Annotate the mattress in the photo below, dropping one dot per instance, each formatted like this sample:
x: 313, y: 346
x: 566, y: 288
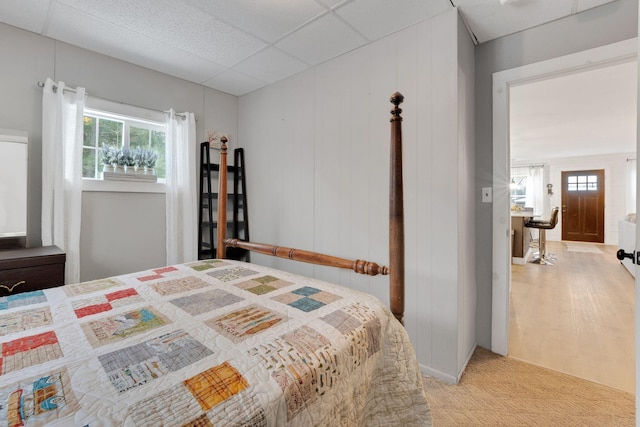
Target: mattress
x: 212, y: 342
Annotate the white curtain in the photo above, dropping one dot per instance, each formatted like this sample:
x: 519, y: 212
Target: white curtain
x: 181, y: 188
x: 630, y: 198
x: 62, y: 133
x: 535, y: 189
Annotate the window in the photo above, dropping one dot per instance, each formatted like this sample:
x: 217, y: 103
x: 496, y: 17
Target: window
x: 582, y: 183
x: 103, y: 128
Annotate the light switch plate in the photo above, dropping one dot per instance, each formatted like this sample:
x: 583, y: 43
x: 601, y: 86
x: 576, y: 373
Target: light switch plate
x: 487, y: 194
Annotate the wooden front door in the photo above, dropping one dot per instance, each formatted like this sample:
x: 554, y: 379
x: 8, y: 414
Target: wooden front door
x: 583, y: 206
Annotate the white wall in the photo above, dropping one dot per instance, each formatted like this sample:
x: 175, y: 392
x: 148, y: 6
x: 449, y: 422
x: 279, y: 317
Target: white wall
x: 317, y: 150
x: 595, y: 27
x: 131, y: 223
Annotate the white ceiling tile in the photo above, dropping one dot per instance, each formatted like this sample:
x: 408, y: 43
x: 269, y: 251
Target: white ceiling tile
x: 176, y: 24
x: 270, y: 65
x: 321, y: 40
x: 488, y: 19
x: 233, y: 82
x: 268, y: 20
x: 86, y: 31
x: 333, y: 3
x: 378, y: 18
x: 28, y: 15
x: 588, y: 4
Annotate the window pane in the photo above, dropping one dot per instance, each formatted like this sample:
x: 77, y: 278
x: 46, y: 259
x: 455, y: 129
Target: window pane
x: 592, y: 186
x: 572, y: 179
x: 582, y: 179
x: 88, y: 163
x: 138, y: 137
x: 572, y: 187
x: 158, y: 145
x: 582, y: 186
x: 110, y: 132
x: 89, y: 138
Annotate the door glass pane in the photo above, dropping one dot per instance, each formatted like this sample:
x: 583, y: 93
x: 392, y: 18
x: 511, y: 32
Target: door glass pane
x: 572, y: 179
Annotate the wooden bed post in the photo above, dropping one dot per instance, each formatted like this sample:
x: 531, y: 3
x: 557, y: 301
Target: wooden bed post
x: 396, y: 213
x: 222, y: 200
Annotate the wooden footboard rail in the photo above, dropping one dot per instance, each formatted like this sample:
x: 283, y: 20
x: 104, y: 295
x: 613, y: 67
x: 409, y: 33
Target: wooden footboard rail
x: 396, y: 225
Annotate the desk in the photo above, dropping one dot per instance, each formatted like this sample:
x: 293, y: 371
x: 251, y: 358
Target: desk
x: 520, y: 250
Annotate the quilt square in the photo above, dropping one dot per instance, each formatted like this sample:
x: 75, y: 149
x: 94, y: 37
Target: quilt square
x: 307, y: 298
x: 263, y: 285
x: 207, y: 264
x: 229, y: 274
x: 116, y: 328
x: 24, y: 320
x: 23, y: 299
x: 90, y: 287
x: 106, y: 302
x: 241, y: 324
x: 206, y: 301
x: 216, y: 385
x: 176, y: 286
x: 29, y: 351
x: 158, y: 273
x: 342, y: 321
x: 171, y: 407
x: 39, y: 400
x: 141, y: 363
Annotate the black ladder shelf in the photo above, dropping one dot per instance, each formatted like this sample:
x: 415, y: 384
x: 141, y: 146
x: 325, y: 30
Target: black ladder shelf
x: 238, y: 226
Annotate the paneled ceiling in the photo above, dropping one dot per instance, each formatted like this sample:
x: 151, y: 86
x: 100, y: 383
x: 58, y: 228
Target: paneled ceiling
x: 238, y: 46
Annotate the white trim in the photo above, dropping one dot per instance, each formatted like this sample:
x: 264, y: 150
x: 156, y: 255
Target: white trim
x: 598, y: 57
x: 125, y: 110
x: 89, y: 184
x: 9, y: 135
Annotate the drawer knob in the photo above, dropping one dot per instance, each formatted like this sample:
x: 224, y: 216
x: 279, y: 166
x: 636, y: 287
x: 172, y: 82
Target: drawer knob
x: 10, y: 288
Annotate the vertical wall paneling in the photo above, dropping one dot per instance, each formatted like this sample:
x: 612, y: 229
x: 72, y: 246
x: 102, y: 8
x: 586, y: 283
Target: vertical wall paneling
x: 351, y: 173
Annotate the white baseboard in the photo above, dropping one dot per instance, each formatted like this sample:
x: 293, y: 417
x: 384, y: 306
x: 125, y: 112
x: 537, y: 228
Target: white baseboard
x: 450, y: 379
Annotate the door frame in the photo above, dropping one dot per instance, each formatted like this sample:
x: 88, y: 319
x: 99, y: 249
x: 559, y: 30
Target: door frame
x: 501, y: 248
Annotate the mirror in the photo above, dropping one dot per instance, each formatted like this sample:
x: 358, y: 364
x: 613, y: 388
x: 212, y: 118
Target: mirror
x: 13, y: 189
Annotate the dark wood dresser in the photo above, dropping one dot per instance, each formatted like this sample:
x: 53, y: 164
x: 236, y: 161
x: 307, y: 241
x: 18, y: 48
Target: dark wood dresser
x: 31, y: 269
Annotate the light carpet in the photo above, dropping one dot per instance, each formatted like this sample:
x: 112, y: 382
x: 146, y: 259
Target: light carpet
x: 583, y: 247
x: 501, y: 391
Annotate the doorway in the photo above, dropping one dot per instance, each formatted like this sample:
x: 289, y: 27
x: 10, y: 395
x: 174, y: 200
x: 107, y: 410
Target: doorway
x: 583, y: 206
x: 503, y: 81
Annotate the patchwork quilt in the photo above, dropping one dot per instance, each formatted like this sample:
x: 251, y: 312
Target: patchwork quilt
x: 207, y: 343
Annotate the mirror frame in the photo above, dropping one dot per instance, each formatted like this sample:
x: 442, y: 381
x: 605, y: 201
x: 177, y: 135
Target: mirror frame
x: 20, y: 137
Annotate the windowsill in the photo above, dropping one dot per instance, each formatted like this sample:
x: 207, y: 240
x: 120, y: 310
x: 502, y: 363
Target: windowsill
x: 122, y: 186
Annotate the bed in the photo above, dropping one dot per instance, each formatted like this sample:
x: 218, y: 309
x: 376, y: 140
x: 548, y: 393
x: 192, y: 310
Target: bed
x: 215, y: 342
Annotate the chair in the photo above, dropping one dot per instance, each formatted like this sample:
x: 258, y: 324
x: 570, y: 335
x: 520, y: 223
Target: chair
x: 542, y: 226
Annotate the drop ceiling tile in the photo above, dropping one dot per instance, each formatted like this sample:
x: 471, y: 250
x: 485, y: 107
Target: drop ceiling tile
x: 270, y: 65
x: 80, y: 29
x: 268, y: 20
x: 233, y: 82
x: 488, y: 19
x: 321, y: 40
x: 176, y: 24
x: 588, y: 4
x: 28, y: 15
x: 333, y: 3
x: 378, y: 18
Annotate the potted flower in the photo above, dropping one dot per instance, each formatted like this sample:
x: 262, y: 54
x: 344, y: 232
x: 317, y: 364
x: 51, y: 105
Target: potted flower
x: 109, y: 157
x: 127, y: 160
x: 150, y: 162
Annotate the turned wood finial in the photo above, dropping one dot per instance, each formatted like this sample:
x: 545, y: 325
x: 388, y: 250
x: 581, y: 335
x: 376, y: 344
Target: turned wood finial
x: 396, y: 99
x: 223, y: 143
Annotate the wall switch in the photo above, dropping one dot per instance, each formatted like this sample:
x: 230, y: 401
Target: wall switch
x: 487, y: 194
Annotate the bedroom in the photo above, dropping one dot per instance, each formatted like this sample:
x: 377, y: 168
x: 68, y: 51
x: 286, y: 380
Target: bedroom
x: 458, y: 314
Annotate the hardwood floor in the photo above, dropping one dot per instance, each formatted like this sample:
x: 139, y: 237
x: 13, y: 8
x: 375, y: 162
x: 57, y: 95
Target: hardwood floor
x: 576, y: 316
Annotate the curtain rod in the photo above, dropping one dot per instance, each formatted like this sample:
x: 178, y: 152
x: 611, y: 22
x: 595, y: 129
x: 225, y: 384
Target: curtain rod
x: 72, y: 90
x: 540, y: 165
x: 630, y: 160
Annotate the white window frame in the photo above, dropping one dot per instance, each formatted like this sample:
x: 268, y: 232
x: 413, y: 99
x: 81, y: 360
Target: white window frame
x: 129, y: 115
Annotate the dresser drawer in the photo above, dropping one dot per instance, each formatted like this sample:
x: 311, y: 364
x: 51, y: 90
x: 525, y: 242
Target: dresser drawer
x: 28, y: 279
x: 31, y: 270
